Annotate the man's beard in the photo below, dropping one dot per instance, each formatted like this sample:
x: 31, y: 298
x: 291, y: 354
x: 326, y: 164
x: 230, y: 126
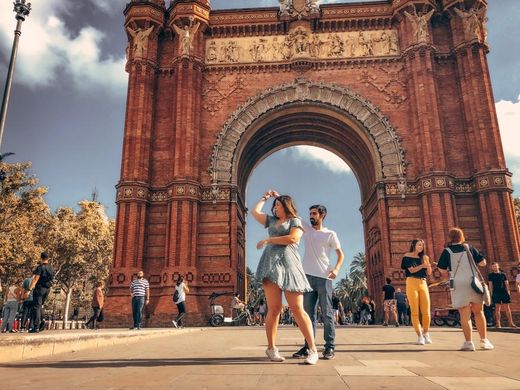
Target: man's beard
x: 313, y: 222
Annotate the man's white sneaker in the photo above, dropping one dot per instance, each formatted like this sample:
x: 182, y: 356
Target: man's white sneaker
x: 274, y: 355
x: 486, y: 344
x: 468, y: 346
x: 312, y: 358
x: 421, y: 340
x: 175, y: 324
x: 427, y: 338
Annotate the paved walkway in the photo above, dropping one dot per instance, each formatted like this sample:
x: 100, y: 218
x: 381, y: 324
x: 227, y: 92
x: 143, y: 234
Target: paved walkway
x: 233, y: 358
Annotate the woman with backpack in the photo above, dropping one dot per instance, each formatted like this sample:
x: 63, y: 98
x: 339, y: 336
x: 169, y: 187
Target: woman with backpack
x: 179, y: 297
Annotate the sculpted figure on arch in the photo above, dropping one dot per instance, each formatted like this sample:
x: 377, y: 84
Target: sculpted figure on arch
x: 139, y: 40
x: 472, y: 21
x: 419, y: 24
x: 186, y: 35
x: 285, y: 7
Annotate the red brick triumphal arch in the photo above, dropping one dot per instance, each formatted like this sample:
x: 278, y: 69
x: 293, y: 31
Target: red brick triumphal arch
x: 399, y: 89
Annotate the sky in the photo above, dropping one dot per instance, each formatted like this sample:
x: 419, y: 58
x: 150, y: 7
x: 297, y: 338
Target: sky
x: 67, y: 112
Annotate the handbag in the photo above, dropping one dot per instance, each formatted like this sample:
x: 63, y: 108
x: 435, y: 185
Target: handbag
x: 478, y: 283
x: 176, y: 296
x: 100, y: 316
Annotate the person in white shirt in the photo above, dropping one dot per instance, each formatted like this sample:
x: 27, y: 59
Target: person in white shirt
x: 319, y: 241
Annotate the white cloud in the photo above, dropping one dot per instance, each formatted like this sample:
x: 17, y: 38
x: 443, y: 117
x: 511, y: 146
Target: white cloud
x: 509, y: 121
x: 321, y: 157
x: 48, y: 49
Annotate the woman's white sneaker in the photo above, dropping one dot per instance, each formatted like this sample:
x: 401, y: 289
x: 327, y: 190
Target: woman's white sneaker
x: 486, y: 344
x: 421, y: 340
x: 468, y: 346
x: 427, y: 338
x: 312, y: 358
x: 274, y: 355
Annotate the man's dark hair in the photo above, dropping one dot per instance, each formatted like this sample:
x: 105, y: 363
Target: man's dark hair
x: 322, y: 210
x: 388, y: 280
x: 44, y: 255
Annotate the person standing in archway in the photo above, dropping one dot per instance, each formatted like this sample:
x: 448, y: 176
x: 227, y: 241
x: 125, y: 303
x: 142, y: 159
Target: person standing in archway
x: 417, y: 267
x: 280, y: 269
x: 319, y: 241
x: 458, y: 261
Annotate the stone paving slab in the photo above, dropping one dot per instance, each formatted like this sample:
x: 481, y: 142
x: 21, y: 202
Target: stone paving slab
x: 233, y: 358
x: 22, y: 346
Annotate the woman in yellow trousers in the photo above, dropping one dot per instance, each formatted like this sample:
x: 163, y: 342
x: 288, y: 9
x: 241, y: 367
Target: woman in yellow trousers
x: 417, y: 267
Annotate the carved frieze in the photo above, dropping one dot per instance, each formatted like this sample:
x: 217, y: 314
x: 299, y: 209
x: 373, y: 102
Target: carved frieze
x: 301, y: 43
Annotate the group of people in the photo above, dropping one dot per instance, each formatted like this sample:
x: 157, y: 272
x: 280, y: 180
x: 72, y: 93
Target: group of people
x: 32, y: 294
x: 307, y: 283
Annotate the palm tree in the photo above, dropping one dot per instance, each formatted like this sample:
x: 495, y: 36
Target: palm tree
x: 358, y: 278
x: 353, y: 287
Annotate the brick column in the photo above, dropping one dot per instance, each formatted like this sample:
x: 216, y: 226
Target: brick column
x: 144, y: 21
x: 500, y: 238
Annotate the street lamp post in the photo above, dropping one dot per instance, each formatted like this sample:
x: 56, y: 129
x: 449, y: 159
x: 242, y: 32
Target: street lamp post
x: 22, y: 10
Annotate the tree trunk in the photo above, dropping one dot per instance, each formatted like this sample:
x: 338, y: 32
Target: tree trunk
x: 66, y: 307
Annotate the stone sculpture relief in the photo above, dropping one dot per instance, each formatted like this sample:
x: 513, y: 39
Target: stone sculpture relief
x: 186, y: 35
x: 301, y: 43
x: 139, y: 40
x: 299, y: 8
x: 419, y: 24
x: 474, y: 22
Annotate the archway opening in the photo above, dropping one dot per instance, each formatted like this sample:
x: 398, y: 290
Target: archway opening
x: 310, y: 175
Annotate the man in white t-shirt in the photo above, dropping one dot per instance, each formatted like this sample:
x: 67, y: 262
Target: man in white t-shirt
x: 319, y: 241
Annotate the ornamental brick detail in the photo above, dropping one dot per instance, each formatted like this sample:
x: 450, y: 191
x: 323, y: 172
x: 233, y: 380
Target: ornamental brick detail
x: 391, y: 161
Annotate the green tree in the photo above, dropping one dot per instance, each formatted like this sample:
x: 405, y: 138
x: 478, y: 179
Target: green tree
x: 25, y: 220
x: 353, y: 287
x: 82, y: 246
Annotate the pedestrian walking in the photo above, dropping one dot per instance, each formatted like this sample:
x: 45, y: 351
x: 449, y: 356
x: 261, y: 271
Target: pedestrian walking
x: 40, y: 287
x: 27, y: 305
x: 402, y: 307
x: 389, y: 303
x: 500, y: 294
x: 140, y: 289
x: 98, y: 300
x: 364, y: 307
x: 11, y: 301
x: 319, y: 241
x: 372, y: 305
x: 458, y: 262
x: 179, y: 298
x: 280, y: 270
x: 262, y: 309
x: 417, y: 267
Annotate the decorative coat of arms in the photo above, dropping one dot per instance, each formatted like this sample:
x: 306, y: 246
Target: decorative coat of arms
x: 299, y: 8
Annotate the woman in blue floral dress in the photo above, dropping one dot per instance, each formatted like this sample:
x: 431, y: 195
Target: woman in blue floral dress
x: 280, y: 269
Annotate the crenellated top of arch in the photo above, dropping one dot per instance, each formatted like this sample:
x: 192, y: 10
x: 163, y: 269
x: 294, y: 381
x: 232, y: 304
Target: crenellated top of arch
x: 388, y: 152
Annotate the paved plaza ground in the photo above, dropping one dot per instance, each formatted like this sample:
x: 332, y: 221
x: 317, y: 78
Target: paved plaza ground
x: 233, y: 358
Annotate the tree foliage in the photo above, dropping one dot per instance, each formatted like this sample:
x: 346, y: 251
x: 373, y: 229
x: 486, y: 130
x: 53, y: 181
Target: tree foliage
x: 80, y: 243
x: 81, y: 246
x: 353, y: 287
x: 25, y: 221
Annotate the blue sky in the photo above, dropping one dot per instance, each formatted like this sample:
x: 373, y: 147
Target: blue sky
x: 68, y: 104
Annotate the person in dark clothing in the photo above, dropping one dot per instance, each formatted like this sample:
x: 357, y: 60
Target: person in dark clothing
x: 389, y: 303
x: 372, y: 305
x: 499, y: 287
x: 402, y: 307
x: 98, y: 300
x: 40, y: 287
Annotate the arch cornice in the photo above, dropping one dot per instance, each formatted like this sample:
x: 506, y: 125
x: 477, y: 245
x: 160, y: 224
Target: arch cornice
x: 388, y: 152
